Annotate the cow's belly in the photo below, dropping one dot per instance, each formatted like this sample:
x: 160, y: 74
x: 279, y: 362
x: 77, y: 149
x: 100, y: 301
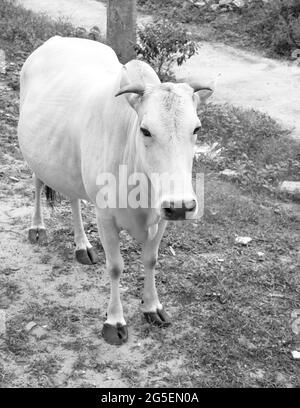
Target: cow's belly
x: 60, y: 86
x: 51, y: 148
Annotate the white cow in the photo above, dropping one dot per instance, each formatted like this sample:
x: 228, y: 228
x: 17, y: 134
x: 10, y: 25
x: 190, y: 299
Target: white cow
x: 82, y: 115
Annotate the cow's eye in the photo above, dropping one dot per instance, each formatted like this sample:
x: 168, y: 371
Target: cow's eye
x: 146, y: 132
x: 197, y: 130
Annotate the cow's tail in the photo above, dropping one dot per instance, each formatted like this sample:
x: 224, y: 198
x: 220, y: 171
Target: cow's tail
x: 51, y: 196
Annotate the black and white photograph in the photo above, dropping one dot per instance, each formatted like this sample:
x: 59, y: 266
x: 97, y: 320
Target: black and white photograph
x: 149, y: 197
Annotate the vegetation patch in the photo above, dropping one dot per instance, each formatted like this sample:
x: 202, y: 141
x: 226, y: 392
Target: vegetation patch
x: 272, y: 26
x: 22, y: 31
x: 252, y: 144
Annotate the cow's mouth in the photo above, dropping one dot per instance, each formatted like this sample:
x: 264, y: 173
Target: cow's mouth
x: 178, y: 210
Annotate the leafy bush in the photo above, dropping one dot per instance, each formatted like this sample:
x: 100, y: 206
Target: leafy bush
x: 275, y: 25
x: 162, y: 43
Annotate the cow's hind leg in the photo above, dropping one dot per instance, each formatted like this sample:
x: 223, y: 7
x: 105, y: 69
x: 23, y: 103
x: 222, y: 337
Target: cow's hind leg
x: 84, y: 252
x: 37, y: 231
x: 114, y: 329
x: 152, y: 308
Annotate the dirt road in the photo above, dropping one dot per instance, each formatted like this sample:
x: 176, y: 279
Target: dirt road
x: 246, y: 80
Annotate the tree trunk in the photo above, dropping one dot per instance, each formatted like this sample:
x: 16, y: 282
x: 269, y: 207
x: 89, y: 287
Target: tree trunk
x: 121, y: 28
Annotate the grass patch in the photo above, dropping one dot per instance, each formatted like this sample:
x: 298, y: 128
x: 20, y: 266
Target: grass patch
x: 253, y: 144
x: 9, y: 292
x: 22, y: 31
x: 228, y: 324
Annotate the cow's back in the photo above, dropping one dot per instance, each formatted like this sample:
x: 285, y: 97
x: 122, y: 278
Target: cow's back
x: 69, y: 58
x: 60, y: 82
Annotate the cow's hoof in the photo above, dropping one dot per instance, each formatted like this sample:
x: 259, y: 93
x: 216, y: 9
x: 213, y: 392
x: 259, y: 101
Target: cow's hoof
x: 37, y: 235
x: 86, y: 256
x: 159, y: 318
x: 115, y: 335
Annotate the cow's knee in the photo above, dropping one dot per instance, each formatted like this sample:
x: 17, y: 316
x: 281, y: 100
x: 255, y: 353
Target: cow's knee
x: 115, y: 270
x: 149, y: 263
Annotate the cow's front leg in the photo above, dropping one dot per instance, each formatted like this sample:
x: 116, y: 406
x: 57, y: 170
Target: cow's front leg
x: 151, y: 306
x: 114, y: 329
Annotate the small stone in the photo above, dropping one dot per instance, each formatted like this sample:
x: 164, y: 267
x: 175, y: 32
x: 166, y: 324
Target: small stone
x: 243, y: 240
x: 229, y: 174
x: 290, y: 187
x: 238, y: 3
x: 261, y: 255
x: 258, y: 374
x: 30, y: 326
x: 246, y: 343
x: 296, y: 354
x: 39, y: 333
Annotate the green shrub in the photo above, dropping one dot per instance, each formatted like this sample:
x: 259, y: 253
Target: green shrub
x: 162, y: 43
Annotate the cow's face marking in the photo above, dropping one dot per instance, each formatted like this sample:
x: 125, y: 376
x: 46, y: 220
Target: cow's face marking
x: 168, y: 131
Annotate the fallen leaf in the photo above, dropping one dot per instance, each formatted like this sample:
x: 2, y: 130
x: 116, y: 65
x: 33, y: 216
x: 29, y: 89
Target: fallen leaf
x: 29, y: 326
x: 172, y: 250
x: 14, y: 178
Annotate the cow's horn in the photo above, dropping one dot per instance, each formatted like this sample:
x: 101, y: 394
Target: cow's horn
x: 200, y: 87
x: 196, y: 85
x: 132, y: 88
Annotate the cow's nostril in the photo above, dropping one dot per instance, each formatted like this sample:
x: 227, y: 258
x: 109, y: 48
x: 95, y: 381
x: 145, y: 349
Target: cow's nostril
x: 190, y: 205
x: 168, y: 211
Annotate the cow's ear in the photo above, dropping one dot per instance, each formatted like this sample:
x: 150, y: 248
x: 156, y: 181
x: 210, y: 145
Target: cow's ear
x: 201, y: 96
x: 203, y: 91
x: 132, y: 92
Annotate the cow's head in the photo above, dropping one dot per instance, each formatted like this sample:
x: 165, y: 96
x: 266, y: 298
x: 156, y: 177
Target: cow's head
x: 168, y: 126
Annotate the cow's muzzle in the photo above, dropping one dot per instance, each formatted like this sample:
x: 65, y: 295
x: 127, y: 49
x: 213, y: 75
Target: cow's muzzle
x: 178, y: 210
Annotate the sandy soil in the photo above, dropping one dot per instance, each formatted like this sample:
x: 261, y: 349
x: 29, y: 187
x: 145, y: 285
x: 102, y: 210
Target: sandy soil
x: 246, y: 80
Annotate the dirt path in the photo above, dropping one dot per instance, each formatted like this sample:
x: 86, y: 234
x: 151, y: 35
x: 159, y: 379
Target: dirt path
x: 246, y: 80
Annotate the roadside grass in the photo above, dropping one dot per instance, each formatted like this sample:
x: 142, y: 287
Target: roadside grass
x: 22, y: 31
x: 231, y: 307
x: 253, y: 144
